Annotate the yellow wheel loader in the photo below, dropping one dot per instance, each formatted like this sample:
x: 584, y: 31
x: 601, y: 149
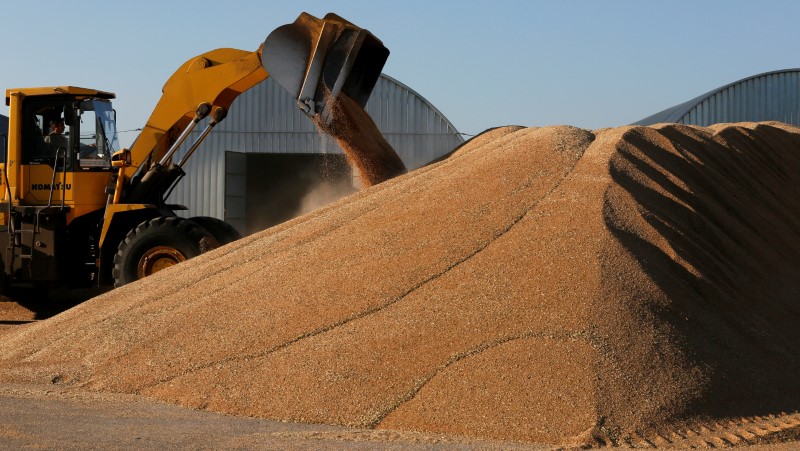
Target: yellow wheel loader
x: 79, y: 211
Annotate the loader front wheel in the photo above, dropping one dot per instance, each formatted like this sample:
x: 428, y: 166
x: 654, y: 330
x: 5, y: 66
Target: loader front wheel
x: 158, y: 244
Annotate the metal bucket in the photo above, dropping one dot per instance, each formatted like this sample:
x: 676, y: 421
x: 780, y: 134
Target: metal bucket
x: 318, y: 60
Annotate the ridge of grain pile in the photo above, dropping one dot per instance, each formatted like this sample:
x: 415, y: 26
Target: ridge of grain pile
x: 548, y: 285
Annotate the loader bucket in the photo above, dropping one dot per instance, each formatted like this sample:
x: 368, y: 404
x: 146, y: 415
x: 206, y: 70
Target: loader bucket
x: 318, y: 60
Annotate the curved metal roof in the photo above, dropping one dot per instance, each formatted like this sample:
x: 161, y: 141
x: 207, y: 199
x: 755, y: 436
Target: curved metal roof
x: 771, y: 96
x: 415, y: 94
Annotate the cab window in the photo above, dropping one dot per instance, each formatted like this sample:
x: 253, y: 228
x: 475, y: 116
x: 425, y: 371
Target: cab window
x: 94, y: 146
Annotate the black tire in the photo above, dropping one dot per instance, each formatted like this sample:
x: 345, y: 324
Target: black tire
x: 223, y: 232
x: 157, y: 244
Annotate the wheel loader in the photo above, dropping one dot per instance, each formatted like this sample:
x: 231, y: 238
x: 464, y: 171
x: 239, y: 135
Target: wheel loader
x: 78, y: 211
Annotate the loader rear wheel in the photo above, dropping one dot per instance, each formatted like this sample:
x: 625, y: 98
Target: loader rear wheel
x: 223, y: 232
x: 158, y: 244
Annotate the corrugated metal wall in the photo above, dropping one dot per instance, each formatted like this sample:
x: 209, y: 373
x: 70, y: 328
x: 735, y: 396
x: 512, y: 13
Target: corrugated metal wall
x: 772, y: 96
x: 266, y: 119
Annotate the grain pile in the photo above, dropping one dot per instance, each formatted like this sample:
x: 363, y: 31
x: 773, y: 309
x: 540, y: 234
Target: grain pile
x: 542, y: 284
x: 13, y: 314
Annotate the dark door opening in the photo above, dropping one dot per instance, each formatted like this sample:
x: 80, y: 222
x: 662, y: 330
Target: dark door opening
x: 280, y: 187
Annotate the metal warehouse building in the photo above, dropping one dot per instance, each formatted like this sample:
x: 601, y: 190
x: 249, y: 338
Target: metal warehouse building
x: 267, y: 163
x: 771, y: 96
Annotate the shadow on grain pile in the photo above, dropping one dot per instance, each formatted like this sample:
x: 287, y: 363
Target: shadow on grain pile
x: 543, y: 285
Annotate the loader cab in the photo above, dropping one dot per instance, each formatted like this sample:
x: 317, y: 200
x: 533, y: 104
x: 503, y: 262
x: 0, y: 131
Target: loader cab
x: 84, y: 142
x: 68, y: 166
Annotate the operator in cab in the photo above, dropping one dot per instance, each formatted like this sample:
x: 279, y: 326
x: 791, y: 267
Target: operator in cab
x: 56, y: 139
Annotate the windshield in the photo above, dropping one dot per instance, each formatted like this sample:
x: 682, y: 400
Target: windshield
x: 98, y: 133
x: 108, y: 121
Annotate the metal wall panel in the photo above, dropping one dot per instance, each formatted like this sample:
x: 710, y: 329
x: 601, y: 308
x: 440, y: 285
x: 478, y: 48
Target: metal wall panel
x: 768, y: 97
x: 265, y: 119
x: 772, y: 96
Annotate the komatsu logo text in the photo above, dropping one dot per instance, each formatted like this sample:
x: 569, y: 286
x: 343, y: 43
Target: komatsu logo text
x: 46, y: 186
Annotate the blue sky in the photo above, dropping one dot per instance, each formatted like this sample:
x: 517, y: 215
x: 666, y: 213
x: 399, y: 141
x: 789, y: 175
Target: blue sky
x: 591, y: 64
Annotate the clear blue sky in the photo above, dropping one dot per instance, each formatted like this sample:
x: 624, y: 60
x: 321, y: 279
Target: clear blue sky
x: 587, y: 63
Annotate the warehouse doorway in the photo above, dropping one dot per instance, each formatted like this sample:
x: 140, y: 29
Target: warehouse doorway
x: 279, y: 187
